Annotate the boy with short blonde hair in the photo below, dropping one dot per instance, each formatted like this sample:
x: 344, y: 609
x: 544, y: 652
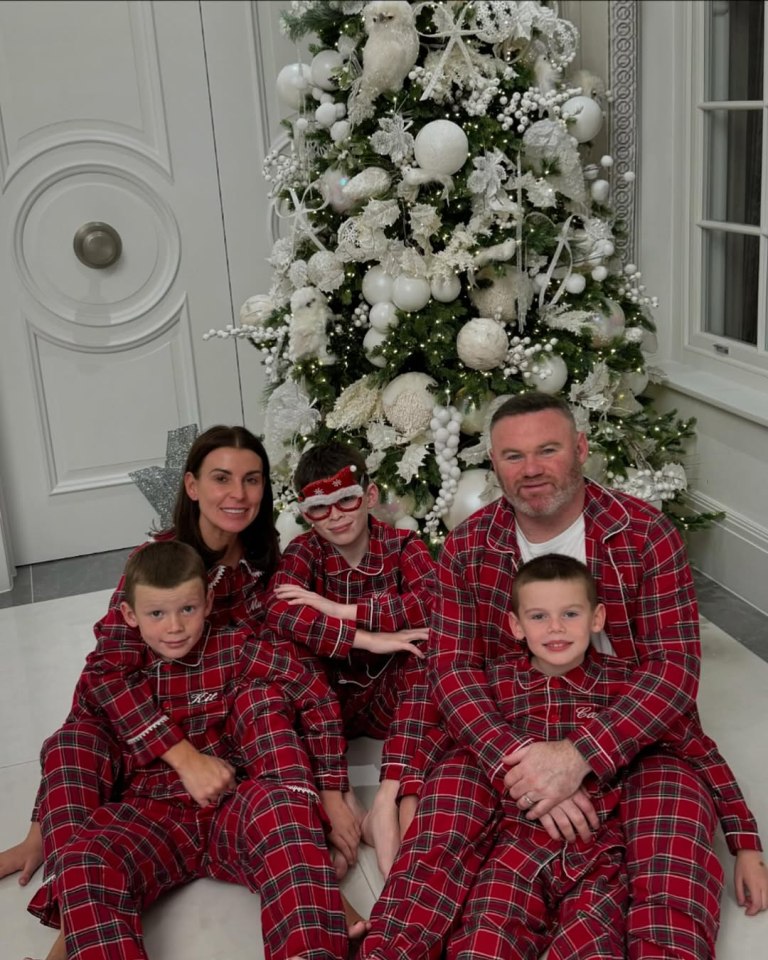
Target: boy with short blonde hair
x: 234, y: 798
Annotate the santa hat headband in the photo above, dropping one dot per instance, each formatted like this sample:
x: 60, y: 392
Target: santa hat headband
x: 329, y: 490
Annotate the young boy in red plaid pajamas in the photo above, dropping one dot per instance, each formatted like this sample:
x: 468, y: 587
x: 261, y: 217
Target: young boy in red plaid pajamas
x: 535, y: 892
x: 234, y: 797
x: 355, y: 595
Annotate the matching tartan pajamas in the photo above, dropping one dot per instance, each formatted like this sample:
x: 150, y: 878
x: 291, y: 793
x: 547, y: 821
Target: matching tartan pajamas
x: 83, y: 754
x: 393, y: 587
x: 236, y: 697
x: 667, y: 814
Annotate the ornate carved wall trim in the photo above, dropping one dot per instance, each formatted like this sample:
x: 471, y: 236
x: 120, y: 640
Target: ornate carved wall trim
x: 624, y: 37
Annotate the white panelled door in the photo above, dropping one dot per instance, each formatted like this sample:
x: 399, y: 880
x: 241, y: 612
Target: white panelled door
x: 106, y: 136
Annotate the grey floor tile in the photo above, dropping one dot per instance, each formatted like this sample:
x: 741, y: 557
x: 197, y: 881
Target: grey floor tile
x: 22, y: 589
x: 75, y: 575
x: 739, y: 619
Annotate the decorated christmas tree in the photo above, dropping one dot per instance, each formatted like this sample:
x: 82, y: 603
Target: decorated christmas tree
x: 448, y: 244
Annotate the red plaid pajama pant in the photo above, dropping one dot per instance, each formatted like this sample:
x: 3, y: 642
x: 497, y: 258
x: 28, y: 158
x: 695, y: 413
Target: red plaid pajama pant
x: 80, y: 769
x: 265, y: 837
x: 515, y: 905
x: 675, y: 879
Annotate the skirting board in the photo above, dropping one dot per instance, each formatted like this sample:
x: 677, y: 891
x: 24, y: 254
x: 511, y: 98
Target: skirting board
x: 733, y: 552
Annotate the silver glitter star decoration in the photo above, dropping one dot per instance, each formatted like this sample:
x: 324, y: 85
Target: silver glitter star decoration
x: 161, y: 484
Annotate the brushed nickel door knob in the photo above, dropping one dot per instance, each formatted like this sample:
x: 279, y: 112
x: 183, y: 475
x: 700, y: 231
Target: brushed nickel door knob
x: 97, y: 245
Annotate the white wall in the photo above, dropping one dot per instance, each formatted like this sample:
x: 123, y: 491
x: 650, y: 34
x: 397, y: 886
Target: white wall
x: 728, y: 463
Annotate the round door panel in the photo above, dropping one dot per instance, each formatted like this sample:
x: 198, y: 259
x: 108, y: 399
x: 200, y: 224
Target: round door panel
x: 96, y: 246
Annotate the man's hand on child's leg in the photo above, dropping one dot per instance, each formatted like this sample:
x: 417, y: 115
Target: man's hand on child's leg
x: 25, y: 857
x: 206, y: 779
x: 381, y: 827
x: 345, y: 826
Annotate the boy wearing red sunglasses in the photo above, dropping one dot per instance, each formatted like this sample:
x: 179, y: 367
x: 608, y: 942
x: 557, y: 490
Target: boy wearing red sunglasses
x: 355, y: 595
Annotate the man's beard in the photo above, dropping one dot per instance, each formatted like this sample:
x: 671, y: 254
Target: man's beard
x: 548, y: 506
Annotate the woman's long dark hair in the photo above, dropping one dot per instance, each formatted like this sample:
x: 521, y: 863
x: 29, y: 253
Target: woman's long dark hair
x: 259, y: 539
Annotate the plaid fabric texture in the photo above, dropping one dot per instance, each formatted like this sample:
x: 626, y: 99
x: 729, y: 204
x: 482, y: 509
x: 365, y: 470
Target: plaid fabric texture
x: 265, y: 837
x: 393, y: 588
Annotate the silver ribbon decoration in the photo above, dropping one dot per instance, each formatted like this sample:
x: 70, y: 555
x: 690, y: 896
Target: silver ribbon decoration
x: 562, y: 243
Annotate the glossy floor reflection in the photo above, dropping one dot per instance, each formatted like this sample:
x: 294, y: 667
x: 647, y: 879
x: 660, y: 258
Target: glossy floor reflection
x: 42, y: 646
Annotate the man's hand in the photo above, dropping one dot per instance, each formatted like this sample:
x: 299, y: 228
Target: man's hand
x: 206, y: 779
x: 294, y: 594
x: 542, y: 775
x: 401, y: 641
x: 345, y: 828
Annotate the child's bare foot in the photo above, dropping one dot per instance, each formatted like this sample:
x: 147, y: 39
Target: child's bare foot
x: 358, y: 810
x: 58, y: 951
x: 25, y: 856
x: 381, y: 826
x: 339, y: 861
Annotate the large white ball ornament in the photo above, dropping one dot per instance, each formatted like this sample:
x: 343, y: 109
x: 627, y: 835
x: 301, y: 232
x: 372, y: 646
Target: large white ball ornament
x: 445, y: 289
x: 600, y: 190
x: 374, y: 338
x: 599, y: 273
x: 408, y: 402
x: 377, y: 285
x: 293, y: 84
x: 551, y: 373
x: 288, y: 526
x: 585, y: 118
x: 475, y: 490
x: 407, y: 523
x: 323, y: 64
x: 410, y: 293
x: 326, y: 114
x: 441, y: 146
x: 391, y: 506
x: 482, y: 344
x: 340, y: 130
x: 575, y: 283
x: 615, y: 315
x: 601, y: 330
x: 383, y: 316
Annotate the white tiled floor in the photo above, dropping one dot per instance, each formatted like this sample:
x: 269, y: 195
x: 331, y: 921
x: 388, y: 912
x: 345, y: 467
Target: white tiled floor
x: 42, y: 646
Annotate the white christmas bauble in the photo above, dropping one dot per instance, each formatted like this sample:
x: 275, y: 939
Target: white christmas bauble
x: 410, y: 293
x: 500, y: 297
x: 600, y: 190
x: 476, y: 489
x: 377, y: 285
x: 445, y: 289
x: 382, y: 316
x: 407, y: 523
x: 374, y: 338
x: 340, y: 130
x: 322, y: 66
x: 575, y: 283
x: 601, y: 329
x: 635, y: 380
x: 391, y: 506
x: 474, y: 414
x: 482, y: 344
x: 332, y: 184
x: 407, y: 402
x: 599, y: 273
x: 292, y: 84
x: 551, y: 373
x: 441, y: 146
x: 288, y: 526
x: 326, y: 114
x: 615, y: 314
x: 585, y: 118
x: 255, y: 310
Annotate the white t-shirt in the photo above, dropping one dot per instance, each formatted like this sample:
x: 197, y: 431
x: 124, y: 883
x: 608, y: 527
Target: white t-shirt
x: 572, y: 543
